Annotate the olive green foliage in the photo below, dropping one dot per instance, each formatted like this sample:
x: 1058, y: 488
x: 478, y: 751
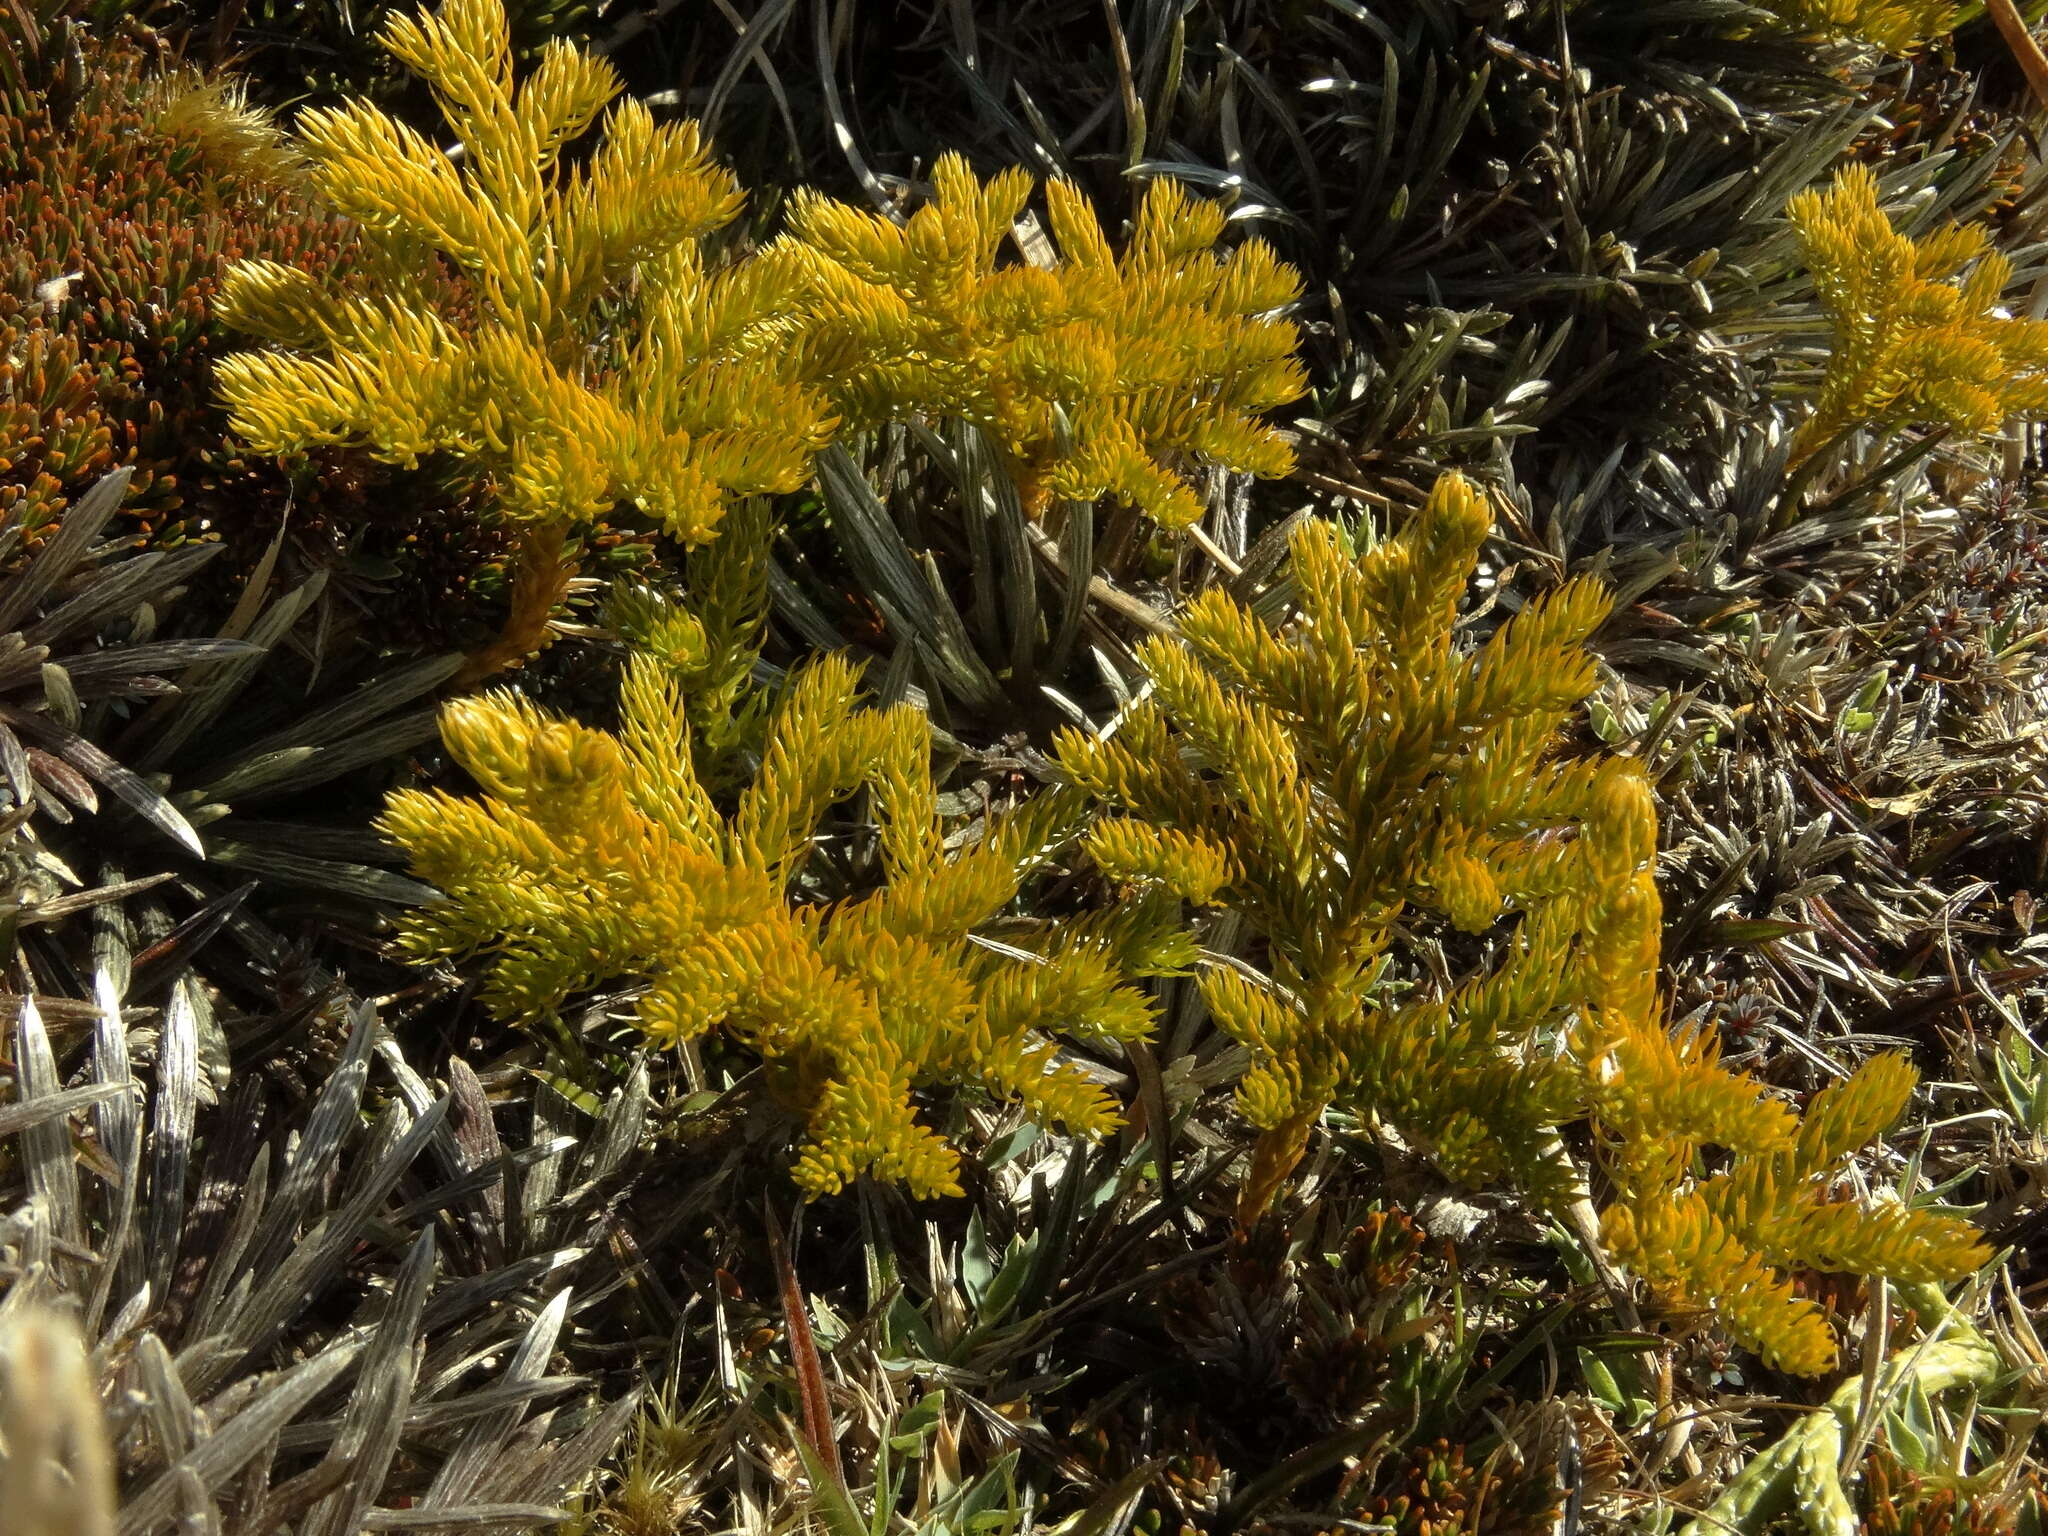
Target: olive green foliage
x: 1897, y: 25
x: 1802, y: 1472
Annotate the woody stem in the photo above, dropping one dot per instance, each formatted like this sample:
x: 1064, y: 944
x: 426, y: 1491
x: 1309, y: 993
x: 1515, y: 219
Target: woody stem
x: 1274, y: 1157
x: 540, y: 579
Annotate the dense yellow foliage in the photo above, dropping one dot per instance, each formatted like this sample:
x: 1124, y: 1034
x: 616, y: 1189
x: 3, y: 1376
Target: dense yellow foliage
x: 1336, y: 782
x: 567, y: 330
x: 1357, y: 774
x: 589, y: 337
x: 595, y: 856
x: 1912, y: 340
x: 1897, y: 26
x: 1097, y: 374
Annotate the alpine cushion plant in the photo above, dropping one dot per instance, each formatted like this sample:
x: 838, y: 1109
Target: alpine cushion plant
x: 120, y: 205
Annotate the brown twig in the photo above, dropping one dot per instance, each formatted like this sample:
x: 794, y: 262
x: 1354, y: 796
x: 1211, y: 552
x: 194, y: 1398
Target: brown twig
x: 803, y: 1352
x: 540, y: 580
x: 1274, y: 1156
x: 2013, y: 28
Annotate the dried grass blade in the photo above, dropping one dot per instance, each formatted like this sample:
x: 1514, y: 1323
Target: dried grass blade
x: 227, y: 1265
x: 466, y: 1518
x: 165, y: 1403
x: 118, y: 592
x: 233, y: 1146
x: 472, y: 1295
x: 78, y: 901
x: 332, y: 1118
x: 362, y: 881
x: 316, y: 1264
x: 16, y: 1118
x: 50, y: 1169
x: 459, y: 1475
x: 476, y: 1141
x: 368, y: 1438
x: 572, y: 1460
x: 214, y: 1460
x: 176, y: 721
x: 119, y: 1122
x: 176, y: 1108
x: 810, y: 1369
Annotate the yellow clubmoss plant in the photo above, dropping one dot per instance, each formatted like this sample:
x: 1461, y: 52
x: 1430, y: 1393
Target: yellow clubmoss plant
x: 1356, y: 777
x: 1334, y: 780
x: 1725, y: 1240
x: 1896, y: 26
x: 237, y: 140
x: 711, y: 653
x: 1095, y: 373
x: 594, y: 856
x: 1913, y: 339
x: 568, y: 331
